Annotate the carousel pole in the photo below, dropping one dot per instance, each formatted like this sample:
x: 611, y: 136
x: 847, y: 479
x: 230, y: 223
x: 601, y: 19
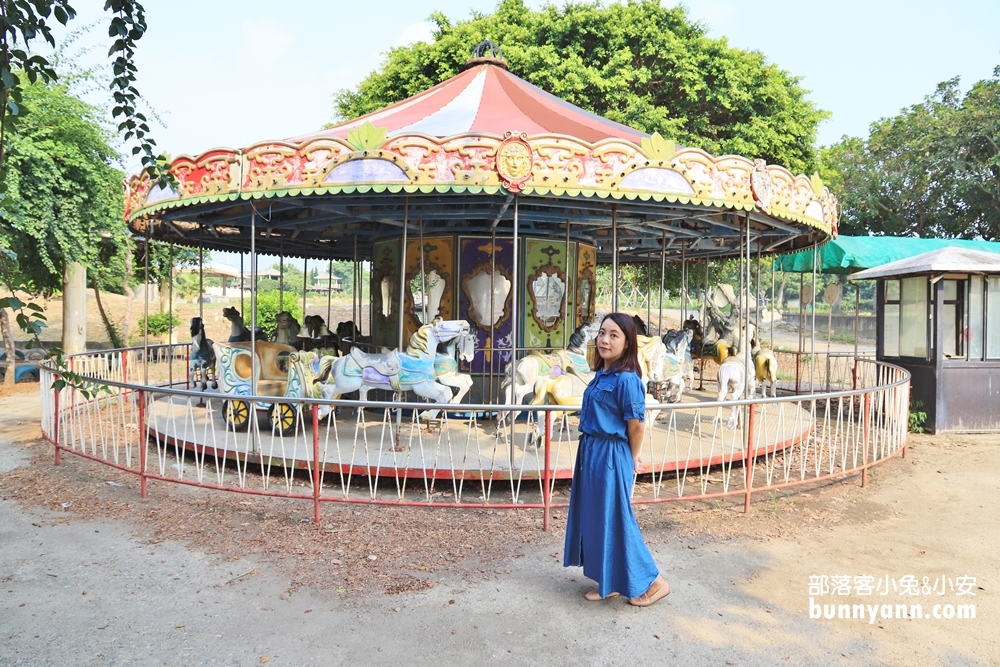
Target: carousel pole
x: 329, y: 292
x: 566, y: 321
x: 756, y: 297
x: 305, y: 282
x: 201, y: 273
x: 812, y: 343
x: 402, y: 266
x: 649, y: 289
x: 281, y: 279
x: 704, y: 326
x: 493, y: 293
x: 423, y: 276
x: 242, y: 287
x: 513, y: 304
x: 145, y: 315
x: 253, y: 305
x: 663, y: 276
x: 683, y: 289
x: 356, y: 288
x: 614, y: 258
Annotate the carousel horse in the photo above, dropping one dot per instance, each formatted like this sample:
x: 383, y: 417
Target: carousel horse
x: 346, y: 336
x: 640, y: 327
x: 202, y: 362
x: 315, y: 333
x: 679, y: 366
x: 565, y: 388
x: 538, y: 366
x: 239, y: 332
x: 765, y: 364
x: 733, y: 379
x: 287, y: 331
x: 412, y: 370
x: 446, y: 368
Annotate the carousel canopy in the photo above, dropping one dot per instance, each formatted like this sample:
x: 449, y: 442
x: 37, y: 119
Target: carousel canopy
x: 467, y: 156
x: 849, y: 254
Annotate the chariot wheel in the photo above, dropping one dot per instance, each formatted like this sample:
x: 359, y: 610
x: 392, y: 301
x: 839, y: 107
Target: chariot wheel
x: 237, y: 414
x: 282, y: 418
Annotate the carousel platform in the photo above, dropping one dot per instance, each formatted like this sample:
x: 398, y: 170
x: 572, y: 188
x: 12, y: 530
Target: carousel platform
x: 470, y: 447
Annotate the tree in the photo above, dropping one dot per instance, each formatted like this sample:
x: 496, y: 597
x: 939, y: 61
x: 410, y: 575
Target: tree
x: 638, y: 63
x: 21, y: 24
x: 933, y: 170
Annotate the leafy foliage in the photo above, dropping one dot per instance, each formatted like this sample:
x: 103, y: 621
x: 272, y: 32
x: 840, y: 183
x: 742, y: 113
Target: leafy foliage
x: 933, y: 170
x: 268, y: 309
x: 917, y: 417
x: 159, y: 324
x: 637, y: 63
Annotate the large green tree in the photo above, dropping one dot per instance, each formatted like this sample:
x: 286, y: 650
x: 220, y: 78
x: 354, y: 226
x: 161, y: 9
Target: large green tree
x: 932, y: 170
x: 637, y: 63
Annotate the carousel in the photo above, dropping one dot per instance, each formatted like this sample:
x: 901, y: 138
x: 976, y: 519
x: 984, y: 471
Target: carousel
x: 482, y: 208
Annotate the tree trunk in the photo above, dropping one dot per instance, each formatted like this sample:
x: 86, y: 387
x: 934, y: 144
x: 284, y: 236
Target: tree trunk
x: 8, y: 346
x: 108, y: 325
x: 837, y: 305
x: 74, y: 335
x: 164, y: 295
x: 779, y: 300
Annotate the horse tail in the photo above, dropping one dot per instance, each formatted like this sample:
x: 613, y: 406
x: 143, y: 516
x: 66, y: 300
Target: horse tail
x: 325, y: 366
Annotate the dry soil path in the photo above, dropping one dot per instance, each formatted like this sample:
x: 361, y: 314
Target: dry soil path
x: 99, y: 592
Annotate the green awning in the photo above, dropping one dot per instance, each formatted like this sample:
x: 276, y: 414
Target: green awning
x: 849, y: 254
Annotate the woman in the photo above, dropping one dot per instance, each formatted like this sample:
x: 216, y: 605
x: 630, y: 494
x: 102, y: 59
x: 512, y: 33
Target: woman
x: 601, y: 532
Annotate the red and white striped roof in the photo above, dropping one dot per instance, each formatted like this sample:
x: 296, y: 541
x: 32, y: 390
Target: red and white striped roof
x: 487, y: 99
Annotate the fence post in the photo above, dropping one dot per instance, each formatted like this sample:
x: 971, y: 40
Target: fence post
x: 546, y: 495
x: 55, y: 429
x: 143, y: 436
x: 315, y: 471
x: 864, y: 450
x: 749, y: 459
x: 798, y: 358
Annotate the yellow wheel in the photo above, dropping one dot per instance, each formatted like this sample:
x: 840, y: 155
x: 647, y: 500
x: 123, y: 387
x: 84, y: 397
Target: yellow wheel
x: 282, y: 418
x: 237, y: 414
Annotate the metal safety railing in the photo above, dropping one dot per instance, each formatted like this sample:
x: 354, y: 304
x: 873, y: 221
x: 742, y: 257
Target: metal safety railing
x: 144, y: 419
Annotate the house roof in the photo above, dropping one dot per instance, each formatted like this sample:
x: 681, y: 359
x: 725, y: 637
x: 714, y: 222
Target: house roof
x: 943, y: 260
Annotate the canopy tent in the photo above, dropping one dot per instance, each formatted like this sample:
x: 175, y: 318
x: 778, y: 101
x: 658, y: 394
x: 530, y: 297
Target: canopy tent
x: 953, y: 259
x: 849, y: 254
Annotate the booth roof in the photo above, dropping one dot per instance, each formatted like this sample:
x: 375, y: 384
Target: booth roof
x: 850, y: 254
x: 942, y: 260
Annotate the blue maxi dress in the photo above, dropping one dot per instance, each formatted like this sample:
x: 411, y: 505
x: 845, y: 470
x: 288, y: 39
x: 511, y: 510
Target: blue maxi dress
x: 602, y: 534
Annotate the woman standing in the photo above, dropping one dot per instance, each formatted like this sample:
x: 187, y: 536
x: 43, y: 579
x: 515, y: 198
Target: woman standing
x: 601, y: 532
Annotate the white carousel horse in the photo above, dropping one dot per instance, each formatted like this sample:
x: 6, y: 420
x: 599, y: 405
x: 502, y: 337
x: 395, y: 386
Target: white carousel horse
x: 202, y: 360
x: 288, y: 329
x: 412, y: 370
x: 765, y: 364
x: 733, y: 379
x: 446, y: 368
x: 239, y: 332
x: 538, y: 367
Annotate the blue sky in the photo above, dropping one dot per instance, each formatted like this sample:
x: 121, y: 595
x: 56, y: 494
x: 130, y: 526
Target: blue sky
x: 229, y: 73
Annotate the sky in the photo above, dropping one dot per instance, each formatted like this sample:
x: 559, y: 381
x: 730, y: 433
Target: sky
x: 231, y: 73
x: 235, y: 72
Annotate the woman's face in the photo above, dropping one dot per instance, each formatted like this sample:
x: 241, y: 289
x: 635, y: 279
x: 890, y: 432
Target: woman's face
x: 610, y: 342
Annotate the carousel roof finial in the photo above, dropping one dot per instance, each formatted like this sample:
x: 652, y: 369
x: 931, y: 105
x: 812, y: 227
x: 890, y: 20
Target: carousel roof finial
x: 479, y: 55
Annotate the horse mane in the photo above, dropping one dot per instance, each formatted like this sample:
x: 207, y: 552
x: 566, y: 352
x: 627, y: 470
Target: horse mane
x: 420, y: 342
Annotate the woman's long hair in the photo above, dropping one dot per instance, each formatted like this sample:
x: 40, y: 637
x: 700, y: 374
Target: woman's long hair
x: 629, y: 361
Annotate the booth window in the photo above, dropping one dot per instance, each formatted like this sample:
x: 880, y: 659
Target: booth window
x: 953, y: 318
x: 993, y: 318
x: 976, y: 315
x: 905, y: 324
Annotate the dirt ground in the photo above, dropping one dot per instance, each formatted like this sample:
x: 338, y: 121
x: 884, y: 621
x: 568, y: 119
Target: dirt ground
x: 92, y: 574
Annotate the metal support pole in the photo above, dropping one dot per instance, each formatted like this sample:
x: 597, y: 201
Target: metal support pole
x: 55, y: 426
x: 253, y: 308
x: 329, y: 294
x: 143, y: 435
x: 663, y: 274
x: 547, y: 472
x: 750, y: 458
x: 281, y: 280
x: 305, y: 283
x: 402, y: 267
x: 316, y: 463
x: 514, y: 303
x: 423, y: 276
x: 614, y: 258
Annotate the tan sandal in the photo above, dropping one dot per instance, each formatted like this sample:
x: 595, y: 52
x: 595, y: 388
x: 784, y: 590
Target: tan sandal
x: 595, y: 596
x: 654, y: 593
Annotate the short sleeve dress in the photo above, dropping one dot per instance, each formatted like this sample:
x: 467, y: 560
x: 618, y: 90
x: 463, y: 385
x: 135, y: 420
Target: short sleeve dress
x: 601, y: 532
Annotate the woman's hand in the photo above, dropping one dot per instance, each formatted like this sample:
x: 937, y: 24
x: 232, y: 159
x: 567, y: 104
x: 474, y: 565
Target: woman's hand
x: 635, y: 429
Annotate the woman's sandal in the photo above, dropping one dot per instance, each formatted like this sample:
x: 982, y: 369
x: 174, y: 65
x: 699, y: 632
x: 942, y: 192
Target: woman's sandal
x: 653, y: 594
x: 595, y: 596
